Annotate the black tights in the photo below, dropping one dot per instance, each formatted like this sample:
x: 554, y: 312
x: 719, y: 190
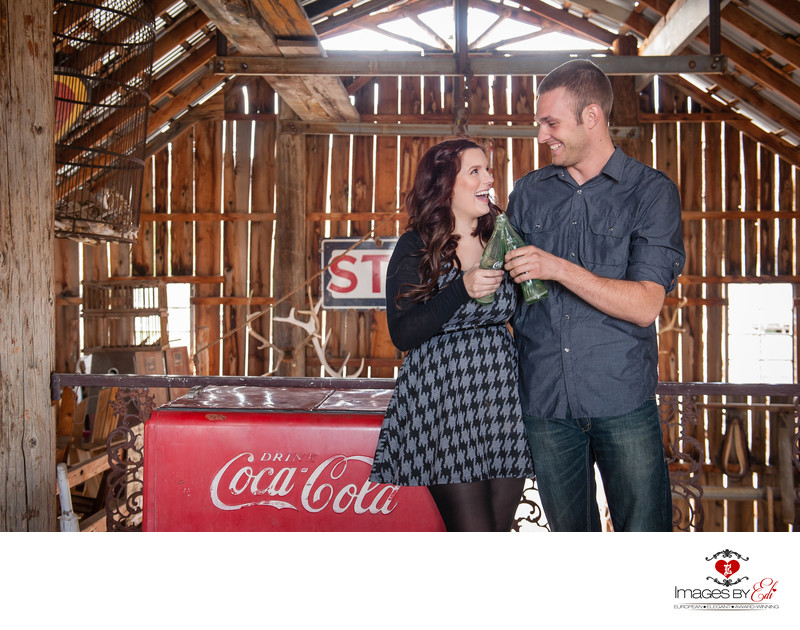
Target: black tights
x: 479, y: 506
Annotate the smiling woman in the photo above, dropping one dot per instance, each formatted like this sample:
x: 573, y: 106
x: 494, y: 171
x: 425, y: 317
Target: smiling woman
x: 453, y: 423
x: 471, y: 200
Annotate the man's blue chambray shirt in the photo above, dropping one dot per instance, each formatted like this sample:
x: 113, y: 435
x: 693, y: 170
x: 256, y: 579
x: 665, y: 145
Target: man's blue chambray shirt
x: 624, y: 223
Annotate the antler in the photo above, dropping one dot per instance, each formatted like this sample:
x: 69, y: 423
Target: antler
x: 670, y: 326
x: 265, y: 343
x: 318, y: 340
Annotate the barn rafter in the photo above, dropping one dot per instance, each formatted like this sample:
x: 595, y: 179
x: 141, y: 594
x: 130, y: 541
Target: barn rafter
x: 284, y: 41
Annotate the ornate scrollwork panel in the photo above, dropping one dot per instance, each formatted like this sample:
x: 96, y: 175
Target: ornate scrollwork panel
x: 685, y: 455
x: 529, y: 510
x: 125, y: 446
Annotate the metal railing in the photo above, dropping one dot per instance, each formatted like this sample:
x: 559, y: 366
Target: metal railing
x: 684, y: 408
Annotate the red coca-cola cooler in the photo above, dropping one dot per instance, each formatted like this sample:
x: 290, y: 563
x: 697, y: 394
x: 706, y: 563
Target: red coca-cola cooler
x: 274, y: 459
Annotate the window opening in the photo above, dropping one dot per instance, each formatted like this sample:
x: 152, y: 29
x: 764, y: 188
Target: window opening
x: 760, y: 333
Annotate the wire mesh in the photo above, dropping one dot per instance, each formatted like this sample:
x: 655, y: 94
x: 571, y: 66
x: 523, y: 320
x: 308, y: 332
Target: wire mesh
x: 103, y: 51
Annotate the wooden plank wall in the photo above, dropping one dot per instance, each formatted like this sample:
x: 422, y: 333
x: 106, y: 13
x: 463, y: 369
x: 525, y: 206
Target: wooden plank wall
x: 220, y: 238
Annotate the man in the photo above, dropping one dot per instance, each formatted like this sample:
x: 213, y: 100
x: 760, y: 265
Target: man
x: 605, y: 231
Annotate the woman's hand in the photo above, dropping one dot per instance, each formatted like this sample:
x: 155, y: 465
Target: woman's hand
x: 482, y: 282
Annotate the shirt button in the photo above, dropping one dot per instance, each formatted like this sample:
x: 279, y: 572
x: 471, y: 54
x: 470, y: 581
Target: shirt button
x: 580, y: 191
x: 566, y: 349
x: 566, y: 316
x: 572, y: 254
x: 574, y: 223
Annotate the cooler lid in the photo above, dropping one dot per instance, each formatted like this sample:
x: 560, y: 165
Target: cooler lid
x: 249, y: 398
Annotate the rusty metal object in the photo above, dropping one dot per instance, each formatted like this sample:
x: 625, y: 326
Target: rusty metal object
x: 678, y: 424
x: 125, y: 446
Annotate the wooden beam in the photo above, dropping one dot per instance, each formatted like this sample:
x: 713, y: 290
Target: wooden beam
x: 290, y: 254
x: 285, y: 18
x: 757, y: 69
x: 212, y: 109
x: 638, y: 23
x: 354, y: 216
x: 755, y: 100
x: 698, y: 117
x: 187, y: 66
x: 789, y: 152
x: 241, y: 26
x: 208, y: 216
x: 275, y: 28
x: 187, y: 24
x: 321, y: 8
x: 782, y: 46
x: 427, y: 130
x: 27, y: 429
x: 750, y: 215
x: 87, y: 469
x: 685, y: 279
x: 160, y: 6
x: 355, y: 16
x: 412, y: 64
x: 659, y: 6
x: 789, y: 8
x: 581, y: 26
x: 182, y: 101
x: 232, y: 301
x: 461, y: 44
x: 607, y: 9
x: 677, y: 28
x: 684, y: 19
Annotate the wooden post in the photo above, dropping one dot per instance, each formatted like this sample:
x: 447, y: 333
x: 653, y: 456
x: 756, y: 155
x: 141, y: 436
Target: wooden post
x: 499, y: 158
x: 667, y: 161
x: 339, y: 190
x: 626, y: 99
x: 715, y: 243
x: 290, y: 256
x: 68, y: 311
x: 208, y: 238
x: 27, y: 431
x: 385, y: 201
x: 234, y: 241
x: 263, y: 200
x: 523, y: 150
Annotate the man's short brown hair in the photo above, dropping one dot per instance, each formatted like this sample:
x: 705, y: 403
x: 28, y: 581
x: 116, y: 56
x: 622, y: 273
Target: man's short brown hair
x: 584, y: 82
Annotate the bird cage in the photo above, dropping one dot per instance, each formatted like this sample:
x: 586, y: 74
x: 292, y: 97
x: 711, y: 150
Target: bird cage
x: 103, y: 68
x: 125, y: 313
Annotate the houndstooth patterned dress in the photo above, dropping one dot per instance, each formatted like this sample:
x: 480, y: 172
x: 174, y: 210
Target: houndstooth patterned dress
x: 455, y: 416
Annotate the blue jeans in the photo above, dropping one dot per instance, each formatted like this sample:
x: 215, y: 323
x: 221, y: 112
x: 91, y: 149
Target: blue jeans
x: 629, y: 453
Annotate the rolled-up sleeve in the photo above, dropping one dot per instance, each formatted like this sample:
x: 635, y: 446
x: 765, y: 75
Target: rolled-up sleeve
x: 656, y: 248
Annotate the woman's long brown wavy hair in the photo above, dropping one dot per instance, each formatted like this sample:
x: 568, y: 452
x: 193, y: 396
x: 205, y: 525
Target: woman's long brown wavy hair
x: 428, y: 205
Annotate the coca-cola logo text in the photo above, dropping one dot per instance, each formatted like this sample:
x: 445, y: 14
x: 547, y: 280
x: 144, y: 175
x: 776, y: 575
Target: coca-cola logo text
x: 238, y: 484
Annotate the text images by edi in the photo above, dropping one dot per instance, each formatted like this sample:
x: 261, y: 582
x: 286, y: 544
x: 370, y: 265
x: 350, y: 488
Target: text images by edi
x: 735, y: 589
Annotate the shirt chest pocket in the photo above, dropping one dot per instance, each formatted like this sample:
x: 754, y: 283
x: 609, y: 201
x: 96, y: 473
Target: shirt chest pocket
x: 606, y: 242
x: 541, y: 232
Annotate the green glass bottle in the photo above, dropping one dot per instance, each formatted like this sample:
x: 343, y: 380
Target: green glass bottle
x: 493, y: 255
x: 533, y: 289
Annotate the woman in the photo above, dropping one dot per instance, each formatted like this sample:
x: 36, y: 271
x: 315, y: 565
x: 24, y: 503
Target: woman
x: 454, y: 422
